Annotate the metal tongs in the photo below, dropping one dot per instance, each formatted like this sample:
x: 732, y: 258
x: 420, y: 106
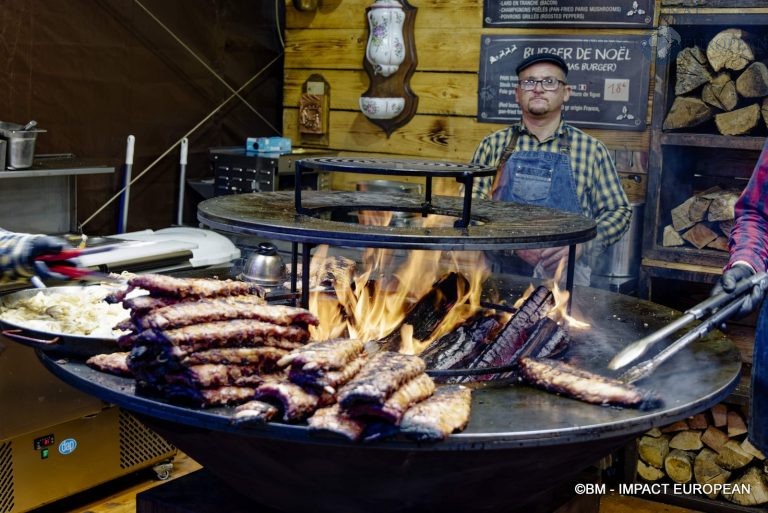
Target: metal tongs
x: 719, y: 307
x: 66, y: 264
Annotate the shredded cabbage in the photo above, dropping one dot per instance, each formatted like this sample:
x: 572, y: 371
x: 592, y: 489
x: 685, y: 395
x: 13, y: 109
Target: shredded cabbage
x: 67, y: 311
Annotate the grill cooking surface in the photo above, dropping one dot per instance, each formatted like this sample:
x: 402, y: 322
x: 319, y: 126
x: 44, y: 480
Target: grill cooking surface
x: 500, y: 225
x: 510, y: 416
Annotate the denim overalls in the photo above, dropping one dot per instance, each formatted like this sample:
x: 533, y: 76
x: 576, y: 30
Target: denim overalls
x: 542, y: 178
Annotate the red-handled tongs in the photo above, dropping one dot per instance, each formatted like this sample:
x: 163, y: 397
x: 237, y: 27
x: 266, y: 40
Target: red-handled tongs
x: 66, y: 264
x: 720, y: 308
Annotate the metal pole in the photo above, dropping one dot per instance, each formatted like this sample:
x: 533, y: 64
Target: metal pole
x: 123, y: 222
x: 182, y: 180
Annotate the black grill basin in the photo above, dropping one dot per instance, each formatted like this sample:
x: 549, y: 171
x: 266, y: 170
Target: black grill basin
x: 520, y: 443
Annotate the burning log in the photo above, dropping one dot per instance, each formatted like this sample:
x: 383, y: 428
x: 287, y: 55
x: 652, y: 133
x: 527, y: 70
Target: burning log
x: 463, y: 344
x: 427, y: 313
x: 507, y: 347
x: 546, y: 339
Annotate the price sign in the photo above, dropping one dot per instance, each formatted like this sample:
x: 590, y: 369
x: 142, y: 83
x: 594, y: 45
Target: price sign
x: 568, y: 13
x: 609, y: 78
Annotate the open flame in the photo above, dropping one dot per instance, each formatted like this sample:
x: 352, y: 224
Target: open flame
x: 559, y: 312
x: 381, y: 295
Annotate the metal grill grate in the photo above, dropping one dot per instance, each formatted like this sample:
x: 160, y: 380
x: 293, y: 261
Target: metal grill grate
x: 138, y: 443
x: 7, y: 498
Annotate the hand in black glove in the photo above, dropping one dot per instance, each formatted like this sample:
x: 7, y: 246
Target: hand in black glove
x: 727, y: 283
x: 18, y: 252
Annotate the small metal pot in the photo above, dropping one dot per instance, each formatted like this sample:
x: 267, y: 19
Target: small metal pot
x: 264, y: 266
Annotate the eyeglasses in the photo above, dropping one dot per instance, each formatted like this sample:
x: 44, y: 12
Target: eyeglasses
x: 548, y: 84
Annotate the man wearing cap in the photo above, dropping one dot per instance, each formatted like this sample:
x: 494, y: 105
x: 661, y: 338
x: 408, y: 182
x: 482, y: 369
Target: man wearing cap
x: 542, y: 160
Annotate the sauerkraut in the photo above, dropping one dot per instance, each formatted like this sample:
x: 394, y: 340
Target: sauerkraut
x: 66, y: 310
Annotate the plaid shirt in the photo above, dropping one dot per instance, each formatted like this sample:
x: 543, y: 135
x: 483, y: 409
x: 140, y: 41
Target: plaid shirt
x: 749, y: 238
x: 597, y: 182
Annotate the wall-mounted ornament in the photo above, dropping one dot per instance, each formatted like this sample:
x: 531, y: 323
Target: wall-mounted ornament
x: 314, y: 108
x: 390, y: 60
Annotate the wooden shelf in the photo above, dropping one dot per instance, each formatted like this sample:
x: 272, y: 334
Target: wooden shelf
x: 712, y: 141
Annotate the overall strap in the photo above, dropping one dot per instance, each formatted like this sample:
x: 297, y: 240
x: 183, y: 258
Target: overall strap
x: 508, y: 151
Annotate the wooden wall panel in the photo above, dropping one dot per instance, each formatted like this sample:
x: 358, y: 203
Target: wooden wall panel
x: 331, y: 42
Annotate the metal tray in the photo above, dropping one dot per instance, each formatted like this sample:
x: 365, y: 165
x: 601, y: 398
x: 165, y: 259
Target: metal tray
x: 64, y: 344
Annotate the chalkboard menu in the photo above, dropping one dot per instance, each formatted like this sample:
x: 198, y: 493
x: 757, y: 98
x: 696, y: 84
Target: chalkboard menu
x: 608, y: 78
x: 568, y: 13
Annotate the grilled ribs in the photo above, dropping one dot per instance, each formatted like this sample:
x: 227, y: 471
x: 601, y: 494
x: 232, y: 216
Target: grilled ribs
x: 162, y: 285
x: 111, y: 363
x: 233, y: 333
x: 252, y: 412
x: 222, y: 309
x: 329, y: 380
x: 392, y: 410
x: 295, y: 402
x: 326, y: 354
x: 384, y: 373
x: 565, y: 379
x: 331, y: 419
x: 445, y: 412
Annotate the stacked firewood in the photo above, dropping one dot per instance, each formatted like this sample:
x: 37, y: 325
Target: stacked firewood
x: 704, y: 220
x: 709, y: 449
x: 726, y: 81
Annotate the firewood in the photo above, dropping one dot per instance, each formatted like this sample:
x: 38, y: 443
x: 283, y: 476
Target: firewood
x: 706, y: 471
x: 670, y: 237
x: 753, y: 81
x: 687, y: 112
x: 687, y: 441
x: 692, y: 70
x: 726, y: 227
x: 736, y: 425
x: 714, y: 438
x: 720, y: 92
x: 721, y: 208
x: 764, y: 110
x: 679, y: 466
x: 653, y: 450
x: 730, y: 50
x: 753, y: 482
x: 681, y: 218
x: 751, y: 449
x: 719, y: 415
x: 700, y: 235
x: 720, y: 243
x: 699, y: 207
x: 680, y: 425
x: 739, y: 121
x: 732, y: 457
x: 654, y: 432
x: 698, y: 421
x: 648, y: 472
